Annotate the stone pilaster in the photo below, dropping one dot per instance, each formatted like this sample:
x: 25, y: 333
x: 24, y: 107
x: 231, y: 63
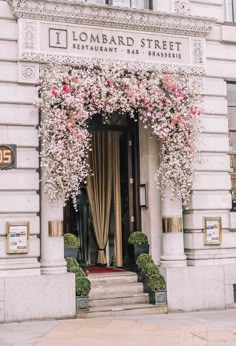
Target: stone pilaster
x: 172, y: 238
x: 52, y: 241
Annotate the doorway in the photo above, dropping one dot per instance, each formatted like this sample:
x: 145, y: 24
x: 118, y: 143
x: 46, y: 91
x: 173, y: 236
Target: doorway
x: 108, y: 205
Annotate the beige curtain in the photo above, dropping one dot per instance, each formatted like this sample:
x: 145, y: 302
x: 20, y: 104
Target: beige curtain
x: 117, y: 197
x: 105, y: 165
x: 99, y: 189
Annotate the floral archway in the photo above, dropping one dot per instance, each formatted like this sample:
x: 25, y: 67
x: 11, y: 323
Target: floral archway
x: 69, y: 97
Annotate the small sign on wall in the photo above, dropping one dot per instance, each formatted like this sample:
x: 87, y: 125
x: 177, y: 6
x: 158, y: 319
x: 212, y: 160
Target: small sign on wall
x: 212, y: 231
x: 17, y: 237
x: 7, y: 156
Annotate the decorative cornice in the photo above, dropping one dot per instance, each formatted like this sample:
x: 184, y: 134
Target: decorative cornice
x: 71, y: 11
x: 78, y: 61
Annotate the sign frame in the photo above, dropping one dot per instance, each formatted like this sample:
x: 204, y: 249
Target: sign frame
x: 212, y: 231
x: 12, y: 164
x: 13, y: 229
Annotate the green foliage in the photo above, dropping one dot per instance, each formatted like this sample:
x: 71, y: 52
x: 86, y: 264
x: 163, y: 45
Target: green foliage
x: 71, y: 240
x: 138, y: 238
x: 233, y: 193
x: 82, y: 285
x: 153, y: 278
x: 142, y: 260
x: 73, y: 266
x: 150, y: 273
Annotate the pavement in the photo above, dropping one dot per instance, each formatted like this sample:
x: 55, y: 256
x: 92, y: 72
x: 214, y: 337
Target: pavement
x: 211, y: 328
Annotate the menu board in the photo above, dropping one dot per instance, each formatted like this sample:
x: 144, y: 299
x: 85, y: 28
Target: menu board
x: 18, y: 237
x: 212, y: 231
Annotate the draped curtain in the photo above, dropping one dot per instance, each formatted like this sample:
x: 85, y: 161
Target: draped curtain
x: 101, y: 186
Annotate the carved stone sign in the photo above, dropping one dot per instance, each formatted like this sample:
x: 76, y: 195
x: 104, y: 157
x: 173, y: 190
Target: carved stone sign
x: 49, y: 42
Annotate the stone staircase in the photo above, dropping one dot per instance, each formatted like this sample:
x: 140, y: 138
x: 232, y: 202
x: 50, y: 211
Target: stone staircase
x: 118, y: 294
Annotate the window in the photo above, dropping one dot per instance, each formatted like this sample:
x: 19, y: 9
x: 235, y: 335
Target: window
x: 230, y: 10
x: 231, y: 97
x: 139, y: 4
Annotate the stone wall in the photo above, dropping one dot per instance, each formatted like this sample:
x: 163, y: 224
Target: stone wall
x: 19, y: 188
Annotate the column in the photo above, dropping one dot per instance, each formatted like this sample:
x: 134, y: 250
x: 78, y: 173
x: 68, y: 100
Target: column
x: 52, y: 241
x: 172, y: 238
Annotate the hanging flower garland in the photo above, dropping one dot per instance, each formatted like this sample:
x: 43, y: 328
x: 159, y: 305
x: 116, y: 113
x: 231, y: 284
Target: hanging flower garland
x: 69, y: 97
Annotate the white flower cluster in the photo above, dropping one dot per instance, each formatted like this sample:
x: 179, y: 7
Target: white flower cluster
x: 169, y: 105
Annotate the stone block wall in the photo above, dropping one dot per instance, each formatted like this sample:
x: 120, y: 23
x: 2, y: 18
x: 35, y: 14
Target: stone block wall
x: 19, y: 188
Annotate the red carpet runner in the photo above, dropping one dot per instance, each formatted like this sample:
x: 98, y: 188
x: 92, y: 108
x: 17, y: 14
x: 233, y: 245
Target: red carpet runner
x: 102, y: 270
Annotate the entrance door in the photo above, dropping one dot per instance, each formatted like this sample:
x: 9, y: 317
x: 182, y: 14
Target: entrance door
x: 123, y: 186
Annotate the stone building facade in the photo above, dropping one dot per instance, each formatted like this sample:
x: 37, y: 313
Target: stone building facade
x: 199, y: 275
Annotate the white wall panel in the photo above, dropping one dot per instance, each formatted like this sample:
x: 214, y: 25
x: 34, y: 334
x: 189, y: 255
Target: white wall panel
x: 8, y: 30
x: 208, y: 10
x: 217, y: 124
x: 212, y: 181
x: 215, y: 105
x: 229, y: 34
x: 13, y: 93
x: 219, y: 51
x: 15, y: 202
x: 218, y: 68
x: 215, y: 142
x: 210, y: 200
x: 213, y: 162
x: 16, y: 179
x: 27, y: 158
x: 8, y: 50
x: 11, y: 114
x: 8, y: 71
x: 214, y: 87
x: 215, y: 34
x: 20, y: 135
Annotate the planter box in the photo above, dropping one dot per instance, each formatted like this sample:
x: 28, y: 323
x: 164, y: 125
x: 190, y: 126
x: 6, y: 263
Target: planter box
x: 135, y: 251
x: 158, y: 297
x: 82, y: 303
x: 71, y: 252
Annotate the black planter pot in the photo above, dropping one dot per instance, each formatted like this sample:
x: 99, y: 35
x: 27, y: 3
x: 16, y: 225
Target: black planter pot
x: 135, y: 250
x: 158, y: 297
x: 71, y: 252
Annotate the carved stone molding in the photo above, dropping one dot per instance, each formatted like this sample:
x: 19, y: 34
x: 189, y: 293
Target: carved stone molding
x: 182, y: 7
x: 28, y: 72
x: 78, y: 61
x: 67, y: 11
x: 198, y: 51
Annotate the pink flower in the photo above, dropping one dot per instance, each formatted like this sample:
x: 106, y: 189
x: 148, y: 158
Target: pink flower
x: 65, y: 88
x: 110, y: 82
x: 54, y: 92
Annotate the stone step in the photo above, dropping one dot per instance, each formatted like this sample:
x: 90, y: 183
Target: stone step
x: 134, y: 299
x: 123, y: 310
x: 115, y: 291
x: 111, y: 278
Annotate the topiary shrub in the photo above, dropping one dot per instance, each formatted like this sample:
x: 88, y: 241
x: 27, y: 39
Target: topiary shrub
x: 138, y: 238
x: 153, y: 279
x: 142, y: 260
x: 73, y: 266
x: 82, y: 285
x: 71, y: 240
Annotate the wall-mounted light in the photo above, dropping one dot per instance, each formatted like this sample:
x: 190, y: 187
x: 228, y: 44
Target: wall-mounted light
x: 143, y: 202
